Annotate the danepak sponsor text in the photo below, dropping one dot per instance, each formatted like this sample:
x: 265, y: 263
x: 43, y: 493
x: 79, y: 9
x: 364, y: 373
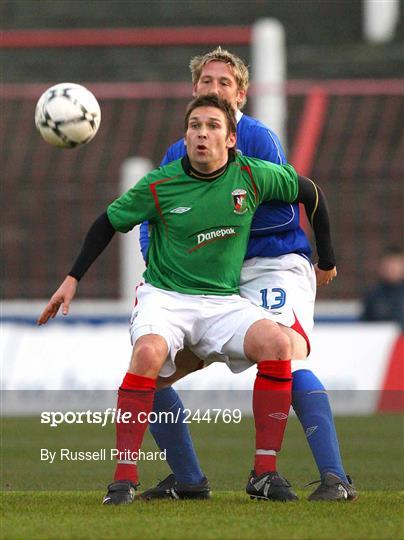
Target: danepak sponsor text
x: 202, y: 237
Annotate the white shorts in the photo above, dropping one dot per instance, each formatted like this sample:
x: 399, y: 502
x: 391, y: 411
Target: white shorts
x: 213, y: 327
x: 285, y: 286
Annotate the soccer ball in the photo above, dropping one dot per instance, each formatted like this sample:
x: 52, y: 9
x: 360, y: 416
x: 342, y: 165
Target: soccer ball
x: 67, y: 115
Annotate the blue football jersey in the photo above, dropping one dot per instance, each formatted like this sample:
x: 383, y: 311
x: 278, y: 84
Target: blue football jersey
x: 275, y: 229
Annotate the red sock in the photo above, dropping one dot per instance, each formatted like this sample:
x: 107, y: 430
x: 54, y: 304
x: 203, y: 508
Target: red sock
x: 134, y: 396
x: 271, y: 404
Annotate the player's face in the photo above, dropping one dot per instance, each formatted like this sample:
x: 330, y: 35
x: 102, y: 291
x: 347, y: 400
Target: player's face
x: 217, y: 78
x: 207, y: 140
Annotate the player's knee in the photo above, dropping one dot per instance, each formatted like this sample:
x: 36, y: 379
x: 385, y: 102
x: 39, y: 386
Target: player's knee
x: 147, y: 358
x: 265, y: 341
x: 280, y: 346
x: 298, y: 344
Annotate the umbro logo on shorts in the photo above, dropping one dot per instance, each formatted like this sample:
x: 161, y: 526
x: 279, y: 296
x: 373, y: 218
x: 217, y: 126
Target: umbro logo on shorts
x: 180, y: 210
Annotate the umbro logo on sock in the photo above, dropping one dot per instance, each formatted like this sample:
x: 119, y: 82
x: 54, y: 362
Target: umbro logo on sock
x: 278, y: 415
x: 310, y: 430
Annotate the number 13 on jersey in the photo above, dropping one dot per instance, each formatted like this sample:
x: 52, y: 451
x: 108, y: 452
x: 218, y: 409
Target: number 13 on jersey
x: 276, y: 297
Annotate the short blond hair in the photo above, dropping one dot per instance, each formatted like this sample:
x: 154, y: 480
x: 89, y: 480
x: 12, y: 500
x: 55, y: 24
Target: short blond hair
x: 238, y: 67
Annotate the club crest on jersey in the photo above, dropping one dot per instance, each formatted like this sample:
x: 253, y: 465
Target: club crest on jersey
x: 239, y: 201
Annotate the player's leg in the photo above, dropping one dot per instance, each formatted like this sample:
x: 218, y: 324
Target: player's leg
x: 295, y: 277
x: 309, y: 398
x: 155, y: 341
x: 244, y: 333
x: 187, y: 480
x: 135, y: 402
x: 312, y: 407
x: 271, y: 405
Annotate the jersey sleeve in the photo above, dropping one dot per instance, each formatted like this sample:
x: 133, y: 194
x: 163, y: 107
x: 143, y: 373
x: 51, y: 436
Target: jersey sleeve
x: 275, y: 182
x: 133, y: 207
x: 98, y: 237
x: 316, y: 208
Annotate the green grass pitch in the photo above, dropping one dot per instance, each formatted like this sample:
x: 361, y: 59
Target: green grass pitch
x: 63, y: 500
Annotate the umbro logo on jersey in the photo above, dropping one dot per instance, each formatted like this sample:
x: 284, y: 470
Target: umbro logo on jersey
x: 180, y: 210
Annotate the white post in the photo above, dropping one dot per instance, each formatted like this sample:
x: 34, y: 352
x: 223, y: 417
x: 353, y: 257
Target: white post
x: 380, y: 18
x: 268, y: 75
x: 131, y: 260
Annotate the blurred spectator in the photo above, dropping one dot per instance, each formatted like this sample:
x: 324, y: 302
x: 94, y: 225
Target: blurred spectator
x: 385, y: 301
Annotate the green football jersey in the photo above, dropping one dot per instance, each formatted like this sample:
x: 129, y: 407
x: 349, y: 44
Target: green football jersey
x: 200, y: 228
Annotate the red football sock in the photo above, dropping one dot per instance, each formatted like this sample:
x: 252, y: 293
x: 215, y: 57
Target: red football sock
x: 134, y: 396
x: 271, y: 404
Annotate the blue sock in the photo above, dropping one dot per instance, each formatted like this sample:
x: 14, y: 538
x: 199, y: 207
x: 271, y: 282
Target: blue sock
x: 175, y: 438
x: 312, y: 407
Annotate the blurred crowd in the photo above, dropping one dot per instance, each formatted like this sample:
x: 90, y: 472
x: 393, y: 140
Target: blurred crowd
x: 385, y: 300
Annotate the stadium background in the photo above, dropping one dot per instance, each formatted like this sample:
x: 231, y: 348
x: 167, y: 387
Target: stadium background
x: 341, y: 89
x: 51, y: 196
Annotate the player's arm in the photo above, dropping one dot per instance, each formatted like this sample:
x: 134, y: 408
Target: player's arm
x: 310, y: 194
x: 284, y: 184
x: 98, y: 237
x: 122, y: 215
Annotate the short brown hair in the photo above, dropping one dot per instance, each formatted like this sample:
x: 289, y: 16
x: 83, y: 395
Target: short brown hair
x: 212, y: 100
x: 238, y: 67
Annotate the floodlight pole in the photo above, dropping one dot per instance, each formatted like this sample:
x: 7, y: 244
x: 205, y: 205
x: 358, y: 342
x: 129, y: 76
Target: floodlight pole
x: 268, y: 75
x: 380, y: 19
x: 131, y: 261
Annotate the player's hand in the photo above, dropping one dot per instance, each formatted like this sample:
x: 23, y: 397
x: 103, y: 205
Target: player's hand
x: 324, y: 277
x: 62, y: 297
